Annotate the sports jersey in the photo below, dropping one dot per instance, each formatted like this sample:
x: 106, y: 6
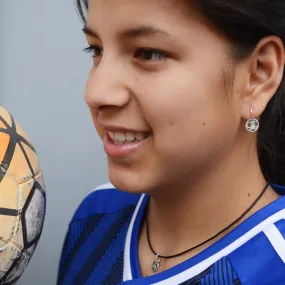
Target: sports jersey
x: 101, y: 246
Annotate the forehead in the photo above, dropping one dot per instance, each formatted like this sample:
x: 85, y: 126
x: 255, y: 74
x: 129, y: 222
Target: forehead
x: 116, y: 14
x: 152, y: 7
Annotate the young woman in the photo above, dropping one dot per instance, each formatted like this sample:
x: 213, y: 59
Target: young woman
x: 189, y: 100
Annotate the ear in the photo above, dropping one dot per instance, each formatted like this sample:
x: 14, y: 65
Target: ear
x: 266, y: 66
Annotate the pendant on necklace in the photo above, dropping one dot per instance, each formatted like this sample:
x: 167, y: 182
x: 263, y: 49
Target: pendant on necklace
x: 156, y: 264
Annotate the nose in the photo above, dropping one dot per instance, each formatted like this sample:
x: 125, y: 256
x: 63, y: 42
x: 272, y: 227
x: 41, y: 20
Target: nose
x: 107, y: 87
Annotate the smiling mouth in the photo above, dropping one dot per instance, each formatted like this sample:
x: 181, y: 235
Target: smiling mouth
x: 128, y: 137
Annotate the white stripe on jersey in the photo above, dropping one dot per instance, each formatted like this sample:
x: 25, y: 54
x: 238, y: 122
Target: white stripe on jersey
x: 276, y: 239
x: 102, y: 187
x: 127, y: 275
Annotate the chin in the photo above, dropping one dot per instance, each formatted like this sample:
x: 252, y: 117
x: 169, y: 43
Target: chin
x: 127, y: 184
x: 128, y: 180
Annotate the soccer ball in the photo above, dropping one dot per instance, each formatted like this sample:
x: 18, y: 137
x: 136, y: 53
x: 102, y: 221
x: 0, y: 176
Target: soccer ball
x: 22, y: 199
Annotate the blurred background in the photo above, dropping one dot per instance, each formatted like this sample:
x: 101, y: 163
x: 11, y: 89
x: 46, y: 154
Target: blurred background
x: 43, y: 72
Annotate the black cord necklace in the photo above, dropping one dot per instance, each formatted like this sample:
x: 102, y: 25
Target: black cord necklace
x: 156, y: 263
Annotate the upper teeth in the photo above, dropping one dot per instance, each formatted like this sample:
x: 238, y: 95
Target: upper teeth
x: 128, y: 136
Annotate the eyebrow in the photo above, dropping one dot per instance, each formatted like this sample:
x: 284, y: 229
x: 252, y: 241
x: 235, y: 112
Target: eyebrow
x: 139, y: 31
x: 87, y: 31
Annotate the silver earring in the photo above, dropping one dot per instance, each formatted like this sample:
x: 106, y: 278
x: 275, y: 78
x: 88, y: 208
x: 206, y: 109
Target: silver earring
x: 252, y: 125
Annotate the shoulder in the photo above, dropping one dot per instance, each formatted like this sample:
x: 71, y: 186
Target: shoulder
x: 104, y: 199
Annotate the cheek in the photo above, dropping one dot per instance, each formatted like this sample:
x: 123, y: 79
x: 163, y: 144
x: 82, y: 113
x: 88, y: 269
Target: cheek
x: 192, y: 138
x: 190, y: 120
x: 180, y: 105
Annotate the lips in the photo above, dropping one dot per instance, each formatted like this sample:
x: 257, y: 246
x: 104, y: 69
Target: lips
x: 120, y: 147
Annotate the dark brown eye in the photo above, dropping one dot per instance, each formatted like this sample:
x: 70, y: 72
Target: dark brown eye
x: 150, y: 55
x: 95, y: 51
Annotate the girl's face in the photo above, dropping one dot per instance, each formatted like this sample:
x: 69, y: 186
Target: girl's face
x: 159, y: 75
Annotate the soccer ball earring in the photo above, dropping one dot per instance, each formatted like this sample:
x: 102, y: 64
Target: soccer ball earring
x: 252, y: 125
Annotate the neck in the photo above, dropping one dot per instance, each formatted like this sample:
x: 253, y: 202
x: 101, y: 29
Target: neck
x: 187, y: 214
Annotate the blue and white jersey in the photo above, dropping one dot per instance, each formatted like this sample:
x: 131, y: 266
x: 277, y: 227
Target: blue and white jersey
x: 101, y: 247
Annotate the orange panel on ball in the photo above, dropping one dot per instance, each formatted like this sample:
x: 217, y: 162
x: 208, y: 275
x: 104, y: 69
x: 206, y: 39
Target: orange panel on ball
x: 19, y: 167
x: 4, y: 139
